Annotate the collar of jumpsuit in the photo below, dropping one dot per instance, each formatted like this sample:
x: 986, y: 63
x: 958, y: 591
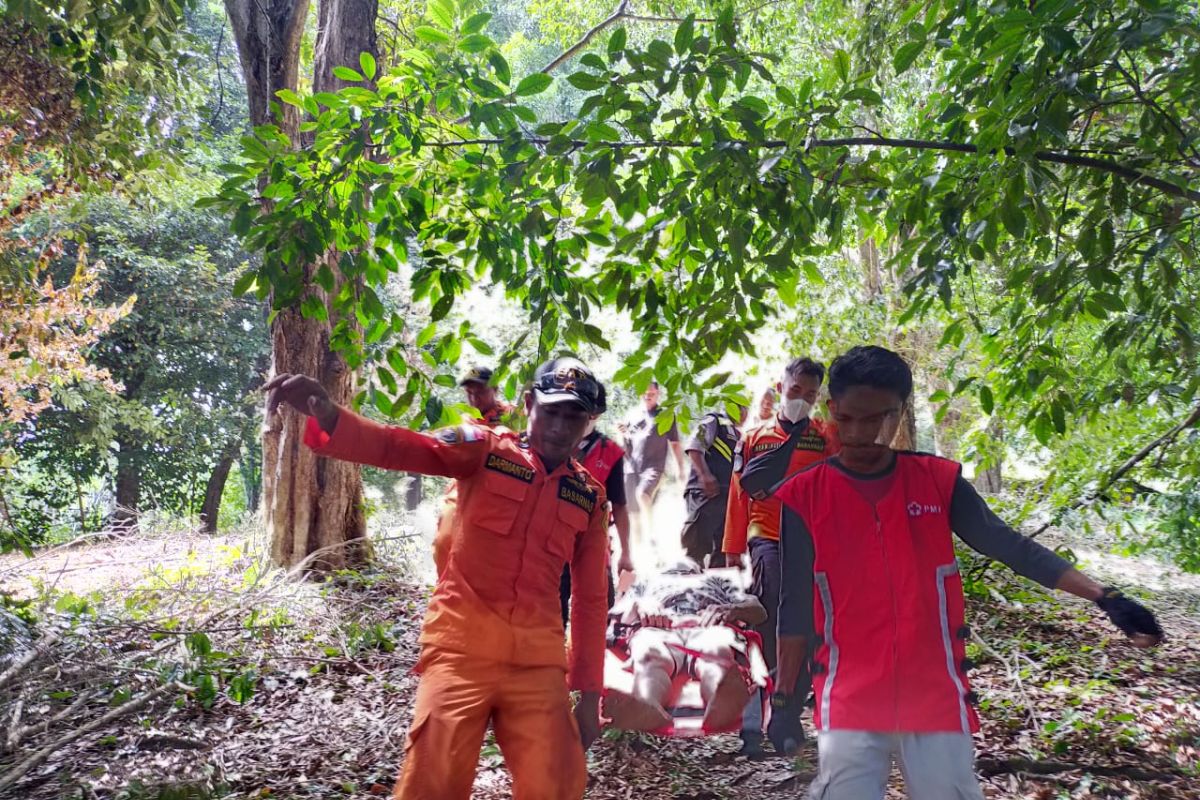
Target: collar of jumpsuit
x: 513, y: 527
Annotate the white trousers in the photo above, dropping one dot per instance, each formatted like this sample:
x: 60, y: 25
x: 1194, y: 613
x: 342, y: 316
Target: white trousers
x: 854, y: 765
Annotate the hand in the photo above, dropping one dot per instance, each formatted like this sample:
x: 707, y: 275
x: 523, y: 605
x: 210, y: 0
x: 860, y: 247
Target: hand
x: 624, y: 563
x: 734, y: 560
x: 708, y: 485
x: 653, y: 618
x: 303, y: 394
x: 717, y: 615
x: 587, y: 717
x: 1135, y: 620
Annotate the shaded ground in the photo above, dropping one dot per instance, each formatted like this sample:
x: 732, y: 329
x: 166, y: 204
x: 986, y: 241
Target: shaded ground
x: 322, y: 673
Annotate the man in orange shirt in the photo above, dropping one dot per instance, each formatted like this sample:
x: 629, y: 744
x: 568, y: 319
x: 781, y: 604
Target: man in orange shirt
x: 752, y: 524
x: 481, y: 396
x: 492, y: 640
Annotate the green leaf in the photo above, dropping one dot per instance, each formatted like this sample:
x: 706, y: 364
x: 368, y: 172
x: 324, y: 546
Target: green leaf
x: 476, y: 23
x: 475, y: 43
x: 347, y: 74
x: 586, y: 81
x: 616, y: 43
x: 986, y: 401
x: 533, y: 84
x: 367, y: 62
x: 906, y: 55
x: 500, y: 66
x: 866, y: 95
x: 291, y: 98
x: 432, y: 35
x: 441, y: 12
x: 685, y: 34
x: 841, y: 63
x: 1012, y: 217
x: 433, y: 409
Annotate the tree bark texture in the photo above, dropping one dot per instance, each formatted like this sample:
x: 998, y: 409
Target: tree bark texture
x: 990, y: 480
x: 123, y: 518
x: 268, y: 34
x: 312, y: 507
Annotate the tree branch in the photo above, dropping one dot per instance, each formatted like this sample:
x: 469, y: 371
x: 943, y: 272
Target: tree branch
x: 18, y: 771
x: 1192, y: 419
x: 1069, y: 159
x: 34, y: 654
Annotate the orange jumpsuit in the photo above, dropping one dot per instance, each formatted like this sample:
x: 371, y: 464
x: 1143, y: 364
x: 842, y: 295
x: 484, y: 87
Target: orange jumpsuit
x: 492, y: 640
x: 496, y: 415
x: 746, y: 518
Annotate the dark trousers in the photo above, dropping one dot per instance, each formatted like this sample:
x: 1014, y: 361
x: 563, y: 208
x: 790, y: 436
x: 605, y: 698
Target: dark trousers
x: 704, y: 529
x: 767, y: 577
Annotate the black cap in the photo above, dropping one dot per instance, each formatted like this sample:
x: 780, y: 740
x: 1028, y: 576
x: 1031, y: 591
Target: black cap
x: 563, y: 380
x: 476, y: 375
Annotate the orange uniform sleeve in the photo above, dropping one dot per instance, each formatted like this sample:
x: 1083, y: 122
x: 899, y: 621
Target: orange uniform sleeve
x: 737, y: 518
x: 452, y: 452
x: 589, y: 604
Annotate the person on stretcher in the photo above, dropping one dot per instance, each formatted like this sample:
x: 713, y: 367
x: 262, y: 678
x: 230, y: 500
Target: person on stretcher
x: 685, y: 625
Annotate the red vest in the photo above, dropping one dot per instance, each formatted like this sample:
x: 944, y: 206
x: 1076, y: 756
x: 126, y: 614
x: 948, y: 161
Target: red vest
x: 600, y: 458
x: 887, y: 600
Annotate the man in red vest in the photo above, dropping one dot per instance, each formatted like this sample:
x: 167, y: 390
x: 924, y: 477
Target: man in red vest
x: 605, y: 461
x: 890, y: 667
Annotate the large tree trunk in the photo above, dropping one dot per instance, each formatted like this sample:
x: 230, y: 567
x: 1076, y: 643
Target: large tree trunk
x: 268, y: 34
x: 313, y: 507
x: 215, y: 487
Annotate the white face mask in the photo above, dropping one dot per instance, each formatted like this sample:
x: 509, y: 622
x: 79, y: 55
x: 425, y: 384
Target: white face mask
x: 795, y: 409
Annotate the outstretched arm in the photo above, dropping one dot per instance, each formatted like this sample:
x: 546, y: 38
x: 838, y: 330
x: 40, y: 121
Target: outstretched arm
x: 977, y: 525
x: 339, y: 433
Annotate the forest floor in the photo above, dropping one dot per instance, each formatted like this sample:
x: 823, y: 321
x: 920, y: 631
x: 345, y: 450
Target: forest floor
x: 253, y: 684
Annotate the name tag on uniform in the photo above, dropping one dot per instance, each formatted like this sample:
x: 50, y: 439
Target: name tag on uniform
x: 811, y: 441
x: 765, y: 447
x: 509, y: 468
x: 577, y: 493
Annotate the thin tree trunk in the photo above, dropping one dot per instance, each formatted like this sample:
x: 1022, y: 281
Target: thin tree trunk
x: 215, y: 488
x: 990, y: 480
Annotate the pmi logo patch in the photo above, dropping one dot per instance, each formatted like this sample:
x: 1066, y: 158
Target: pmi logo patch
x: 916, y: 509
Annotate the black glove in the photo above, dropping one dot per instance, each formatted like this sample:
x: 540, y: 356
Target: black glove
x: 785, y: 730
x: 1130, y: 616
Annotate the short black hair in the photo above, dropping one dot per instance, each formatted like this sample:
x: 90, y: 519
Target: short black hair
x: 805, y: 366
x: 872, y: 366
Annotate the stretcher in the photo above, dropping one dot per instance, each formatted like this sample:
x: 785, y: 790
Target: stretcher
x: 684, y: 702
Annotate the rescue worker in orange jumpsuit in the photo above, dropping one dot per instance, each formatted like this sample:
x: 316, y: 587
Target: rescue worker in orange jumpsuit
x: 481, y: 396
x: 754, y: 525
x: 493, y: 412
x: 492, y: 639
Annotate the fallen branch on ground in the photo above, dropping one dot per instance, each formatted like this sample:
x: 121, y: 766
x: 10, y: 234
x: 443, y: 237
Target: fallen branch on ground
x: 15, y: 774
x: 1004, y: 766
x: 34, y: 654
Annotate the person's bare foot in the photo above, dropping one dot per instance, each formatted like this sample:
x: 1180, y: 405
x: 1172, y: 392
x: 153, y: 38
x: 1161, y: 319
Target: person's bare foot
x: 728, y: 700
x: 631, y: 714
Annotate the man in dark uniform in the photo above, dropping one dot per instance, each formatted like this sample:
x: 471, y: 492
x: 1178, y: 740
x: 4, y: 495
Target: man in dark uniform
x: 707, y: 494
